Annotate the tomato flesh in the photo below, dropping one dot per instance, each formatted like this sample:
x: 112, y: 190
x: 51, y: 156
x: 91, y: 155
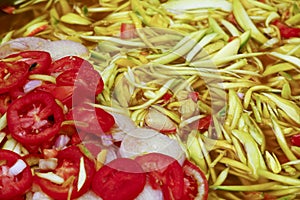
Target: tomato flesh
x: 39, y: 61
x: 68, y: 165
x: 68, y: 63
x: 13, y: 186
x: 34, y: 118
x: 163, y: 172
x: 12, y: 75
x: 121, y: 179
x: 295, y: 140
x: 195, y: 182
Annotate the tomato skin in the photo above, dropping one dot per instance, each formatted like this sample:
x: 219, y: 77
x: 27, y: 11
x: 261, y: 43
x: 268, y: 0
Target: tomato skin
x: 191, y: 186
x: 39, y: 61
x: 14, y: 189
x: 12, y: 75
x: 295, y: 140
x: 121, y: 179
x: 68, y: 63
x: 68, y: 164
x: 34, y: 118
x: 163, y: 172
x: 97, y: 120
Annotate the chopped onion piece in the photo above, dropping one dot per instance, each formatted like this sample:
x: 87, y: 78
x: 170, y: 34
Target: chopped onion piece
x: 46, y: 164
x: 54, y: 178
x: 82, y: 174
x: 17, y: 168
x: 61, y: 141
x: 149, y: 193
x: 31, y: 85
x: 159, y: 121
x: 2, y: 136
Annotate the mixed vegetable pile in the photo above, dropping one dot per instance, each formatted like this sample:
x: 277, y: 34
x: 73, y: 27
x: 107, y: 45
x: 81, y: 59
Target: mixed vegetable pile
x: 201, y: 98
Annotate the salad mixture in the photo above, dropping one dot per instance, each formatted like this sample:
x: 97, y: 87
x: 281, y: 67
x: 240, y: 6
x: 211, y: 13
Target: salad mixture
x: 171, y: 100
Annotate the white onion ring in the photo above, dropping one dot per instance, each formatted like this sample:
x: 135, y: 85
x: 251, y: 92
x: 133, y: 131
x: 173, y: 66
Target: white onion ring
x: 57, y: 49
x: 142, y: 140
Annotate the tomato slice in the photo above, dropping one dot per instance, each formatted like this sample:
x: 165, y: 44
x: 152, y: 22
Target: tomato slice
x: 163, y: 172
x: 93, y: 120
x: 12, y: 75
x: 122, y: 178
x: 67, y: 63
x: 68, y: 167
x: 64, y: 94
x: 39, y: 61
x: 86, y: 80
x: 34, y: 118
x: 13, y: 186
x: 195, y: 182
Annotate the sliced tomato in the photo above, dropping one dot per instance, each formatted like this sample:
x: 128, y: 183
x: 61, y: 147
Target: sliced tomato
x: 13, y: 186
x: 68, y: 167
x: 128, y: 31
x: 34, y: 118
x: 163, y: 172
x: 67, y: 63
x: 64, y: 94
x: 5, y: 101
x: 91, y: 120
x: 86, y: 81
x: 39, y: 61
x: 195, y: 182
x: 121, y: 179
x: 12, y: 75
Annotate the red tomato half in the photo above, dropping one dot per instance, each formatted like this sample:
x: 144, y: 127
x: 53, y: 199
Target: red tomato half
x: 39, y: 61
x: 12, y: 75
x: 121, y: 179
x: 34, y: 118
x: 195, y: 182
x: 93, y: 120
x: 163, y: 172
x: 67, y: 63
x: 68, y: 166
x: 13, y: 186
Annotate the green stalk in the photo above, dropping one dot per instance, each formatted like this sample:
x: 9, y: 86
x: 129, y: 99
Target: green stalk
x: 246, y: 23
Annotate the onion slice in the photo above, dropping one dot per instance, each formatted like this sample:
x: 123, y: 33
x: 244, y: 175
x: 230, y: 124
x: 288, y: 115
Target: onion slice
x: 143, y: 140
x: 17, y: 168
x: 160, y: 122
x: 31, y: 85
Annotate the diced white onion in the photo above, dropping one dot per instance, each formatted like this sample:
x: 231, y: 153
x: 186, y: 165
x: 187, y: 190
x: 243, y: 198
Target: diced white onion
x: 17, y: 168
x: 40, y: 196
x: 48, y: 164
x: 149, y: 193
x: 31, y: 85
x: 61, y: 141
